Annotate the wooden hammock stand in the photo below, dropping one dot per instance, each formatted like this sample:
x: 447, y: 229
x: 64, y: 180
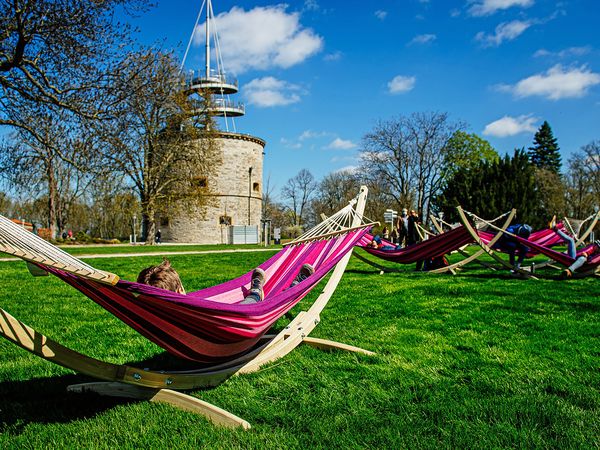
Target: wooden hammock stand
x: 158, y: 386
x: 487, y: 248
x: 452, y: 267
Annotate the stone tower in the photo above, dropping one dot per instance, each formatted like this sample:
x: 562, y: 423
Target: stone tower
x: 235, y: 210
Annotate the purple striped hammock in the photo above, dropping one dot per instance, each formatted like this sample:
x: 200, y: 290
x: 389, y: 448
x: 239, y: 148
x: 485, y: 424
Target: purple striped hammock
x: 209, y: 325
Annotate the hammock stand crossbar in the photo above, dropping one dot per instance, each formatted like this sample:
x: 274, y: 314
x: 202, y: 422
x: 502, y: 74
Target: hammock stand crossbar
x: 543, y: 249
x: 509, y: 216
x: 487, y: 248
x: 161, y: 386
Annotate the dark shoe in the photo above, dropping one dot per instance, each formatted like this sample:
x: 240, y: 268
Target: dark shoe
x: 306, y: 271
x: 256, y: 285
x: 565, y: 274
x: 258, y: 279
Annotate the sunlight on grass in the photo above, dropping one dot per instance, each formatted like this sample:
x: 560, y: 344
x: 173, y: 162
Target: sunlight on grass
x: 478, y: 360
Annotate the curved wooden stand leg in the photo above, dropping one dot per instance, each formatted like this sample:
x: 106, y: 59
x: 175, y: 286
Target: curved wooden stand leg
x: 487, y: 248
x: 479, y: 252
x: 325, y: 344
x: 179, y: 400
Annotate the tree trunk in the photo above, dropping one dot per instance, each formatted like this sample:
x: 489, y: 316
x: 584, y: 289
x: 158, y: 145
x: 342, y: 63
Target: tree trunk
x: 148, y: 224
x: 52, y: 194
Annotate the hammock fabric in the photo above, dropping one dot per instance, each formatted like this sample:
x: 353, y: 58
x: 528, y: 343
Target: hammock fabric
x: 433, y: 247
x: 563, y: 258
x: 545, y: 238
x: 210, y: 325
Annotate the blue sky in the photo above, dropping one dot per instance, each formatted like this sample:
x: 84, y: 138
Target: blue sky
x: 317, y: 75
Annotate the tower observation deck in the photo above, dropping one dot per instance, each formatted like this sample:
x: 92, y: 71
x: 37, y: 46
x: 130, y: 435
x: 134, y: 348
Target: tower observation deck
x: 212, y: 82
x: 234, y: 185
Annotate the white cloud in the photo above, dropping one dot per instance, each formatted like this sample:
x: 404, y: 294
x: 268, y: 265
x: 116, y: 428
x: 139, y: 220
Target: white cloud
x: 347, y: 169
x: 566, y: 53
x: 341, y: 144
x: 311, y: 5
x: 423, y: 39
x: 262, y: 38
x: 488, y: 7
x: 401, y: 84
x: 506, y: 31
x: 510, y: 126
x: 269, y: 91
x: 309, y: 134
x: 381, y: 15
x: 556, y: 83
x: 335, y: 56
x: 290, y: 144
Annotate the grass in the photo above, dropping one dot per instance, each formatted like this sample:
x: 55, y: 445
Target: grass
x: 125, y: 248
x: 479, y: 360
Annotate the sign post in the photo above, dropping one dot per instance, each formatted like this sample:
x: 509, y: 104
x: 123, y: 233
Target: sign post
x: 390, y: 217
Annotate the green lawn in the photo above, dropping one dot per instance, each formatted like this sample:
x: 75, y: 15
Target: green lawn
x: 121, y: 248
x: 479, y: 360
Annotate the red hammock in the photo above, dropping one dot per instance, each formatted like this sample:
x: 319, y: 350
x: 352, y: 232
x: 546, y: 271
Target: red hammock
x: 210, y: 325
x: 433, y: 247
x: 563, y: 258
x: 545, y: 238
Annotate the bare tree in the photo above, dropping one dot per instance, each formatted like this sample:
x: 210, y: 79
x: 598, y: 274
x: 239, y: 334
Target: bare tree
x: 406, y: 157
x: 58, y: 53
x: 583, y: 181
x: 57, y: 60
x: 49, y: 164
x: 298, y: 191
x: 160, y: 141
x: 335, y: 191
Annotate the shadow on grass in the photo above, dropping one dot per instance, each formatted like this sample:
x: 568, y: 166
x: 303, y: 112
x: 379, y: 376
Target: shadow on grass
x: 46, y: 400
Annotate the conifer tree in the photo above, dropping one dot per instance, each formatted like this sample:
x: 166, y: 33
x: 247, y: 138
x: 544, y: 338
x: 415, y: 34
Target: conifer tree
x: 545, y: 153
x: 492, y: 188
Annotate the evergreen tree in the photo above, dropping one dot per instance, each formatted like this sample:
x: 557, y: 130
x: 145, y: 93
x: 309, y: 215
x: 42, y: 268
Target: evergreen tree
x: 545, y: 153
x: 492, y: 188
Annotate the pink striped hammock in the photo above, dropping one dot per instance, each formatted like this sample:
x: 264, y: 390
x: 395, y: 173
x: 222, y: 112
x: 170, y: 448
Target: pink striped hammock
x: 210, y: 325
x: 546, y: 238
x: 563, y: 258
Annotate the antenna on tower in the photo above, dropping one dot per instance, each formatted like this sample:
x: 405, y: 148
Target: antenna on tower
x: 213, y: 82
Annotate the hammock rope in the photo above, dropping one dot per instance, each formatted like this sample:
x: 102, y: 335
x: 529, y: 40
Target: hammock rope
x: 478, y: 220
x: 17, y: 241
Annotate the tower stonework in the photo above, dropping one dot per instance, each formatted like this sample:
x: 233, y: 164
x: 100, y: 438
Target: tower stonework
x: 237, y: 198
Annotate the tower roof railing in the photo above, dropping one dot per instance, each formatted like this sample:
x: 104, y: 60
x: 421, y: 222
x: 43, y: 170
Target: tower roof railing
x: 198, y: 77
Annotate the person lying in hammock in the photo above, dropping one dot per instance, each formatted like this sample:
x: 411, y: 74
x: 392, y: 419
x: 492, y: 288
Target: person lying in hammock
x: 165, y: 277
x: 255, y: 293
x: 512, y: 246
x: 572, y: 250
x: 162, y: 276
x: 378, y: 244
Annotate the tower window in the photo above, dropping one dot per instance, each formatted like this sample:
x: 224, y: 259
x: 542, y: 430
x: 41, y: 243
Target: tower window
x: 199, y: 182
x: 225, y: 220
x: 256, y: 187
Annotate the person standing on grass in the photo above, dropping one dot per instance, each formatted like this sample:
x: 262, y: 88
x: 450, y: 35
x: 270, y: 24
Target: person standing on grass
x: 402, y: 226
x: 413, y: 236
